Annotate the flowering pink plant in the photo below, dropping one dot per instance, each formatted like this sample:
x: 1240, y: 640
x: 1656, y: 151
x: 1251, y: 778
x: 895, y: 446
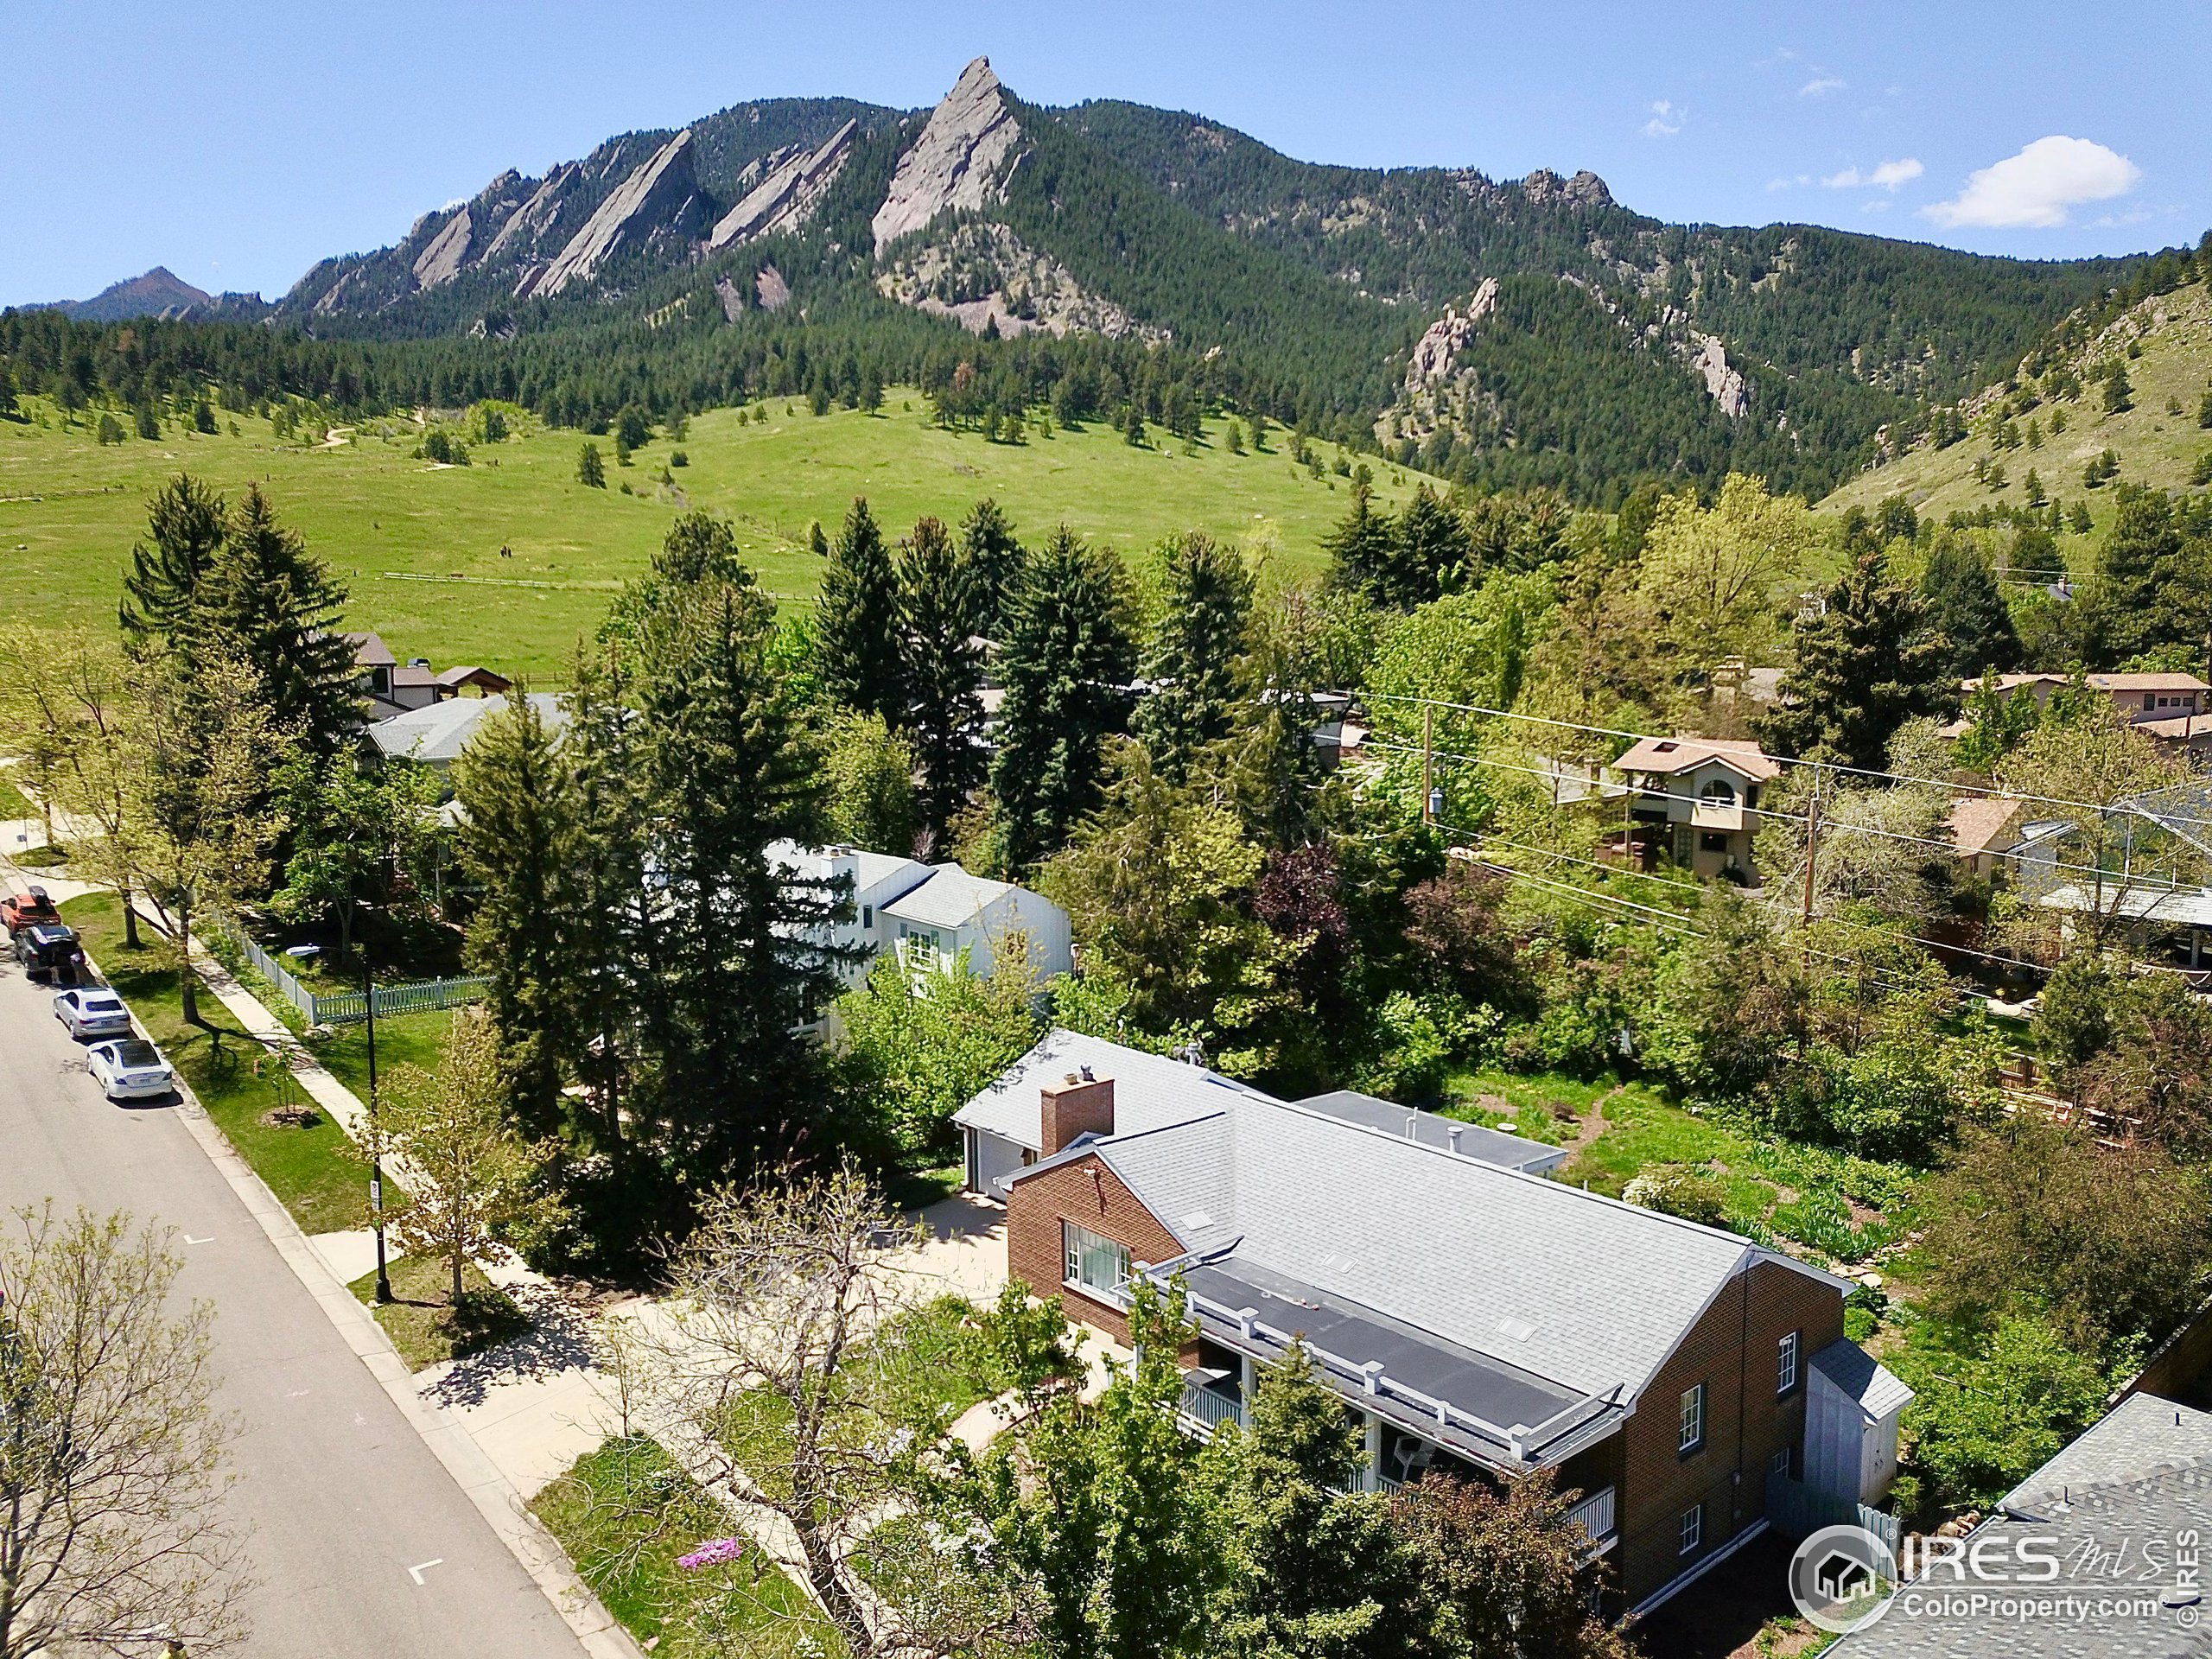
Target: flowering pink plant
x: 715, y: 1553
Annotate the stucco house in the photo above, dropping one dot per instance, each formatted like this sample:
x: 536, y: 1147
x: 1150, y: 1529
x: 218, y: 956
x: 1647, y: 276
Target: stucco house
x: 1479, y: 1319
x: 1698, y: 798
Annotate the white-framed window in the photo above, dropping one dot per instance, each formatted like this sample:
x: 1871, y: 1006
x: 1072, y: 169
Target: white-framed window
x: 1091, y: 1260
x: 1785, y: 1363
x: 1693, y: 1430
x: 1780, y: 1463
x: 1693, y: 1528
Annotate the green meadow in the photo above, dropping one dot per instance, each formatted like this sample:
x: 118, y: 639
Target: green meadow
x: 508, y: 561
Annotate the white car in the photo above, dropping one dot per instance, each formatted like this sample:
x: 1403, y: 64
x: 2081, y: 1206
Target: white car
x: 130, y: 1070
x: 92, y: 1011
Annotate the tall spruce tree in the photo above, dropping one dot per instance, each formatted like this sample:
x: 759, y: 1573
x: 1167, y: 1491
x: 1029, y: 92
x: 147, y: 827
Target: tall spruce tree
x: 1435, y: 553
x: 518, y: 842
x: 274, y: 607
x: 1363, y: 550
x: 995, y: 556
x: 942, y: 671
x: 1065, y: 660
x: 728, y: 1080
x: 1966, y: 606
x: 1192, y: 659
x: 1867, y: 663
x: 184, y: 523
x: 857, y: 638
x: 1316, y: 1567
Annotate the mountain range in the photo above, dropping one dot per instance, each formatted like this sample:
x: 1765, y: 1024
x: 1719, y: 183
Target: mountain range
x: 1507, y: 331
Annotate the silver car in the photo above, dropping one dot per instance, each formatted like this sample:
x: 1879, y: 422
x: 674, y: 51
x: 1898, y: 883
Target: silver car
x: 92, y: 1011
x: 130, y: 1070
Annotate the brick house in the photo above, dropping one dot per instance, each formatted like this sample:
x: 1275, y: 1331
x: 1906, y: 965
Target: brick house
x: 1478, y: 1318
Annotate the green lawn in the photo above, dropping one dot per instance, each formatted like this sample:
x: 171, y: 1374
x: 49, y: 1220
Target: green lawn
x: 419, y: 1317
x: 402, y: 1039
x: 420, y: 545
x: 311, y: 1170
x: 14, y: 803
x: 626, y: 1513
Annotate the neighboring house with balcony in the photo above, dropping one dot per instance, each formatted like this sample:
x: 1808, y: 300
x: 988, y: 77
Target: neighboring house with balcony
x: 931, y: 914
x: 395, y: 688
x: 1479, y: 1319
x: 2170, y: 709
x: 1697, y: 799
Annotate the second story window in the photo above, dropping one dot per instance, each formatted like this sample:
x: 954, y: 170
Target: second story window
x: 1785, y: 1364
x: 1693, y: 1431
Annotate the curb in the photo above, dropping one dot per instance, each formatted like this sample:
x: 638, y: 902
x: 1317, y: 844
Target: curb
x: 535, y: 1549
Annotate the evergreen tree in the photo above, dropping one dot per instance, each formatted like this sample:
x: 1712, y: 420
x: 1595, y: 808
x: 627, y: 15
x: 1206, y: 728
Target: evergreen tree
x: 518, y: 843
x: 591, y: 471
x: 1065, y: 660
x: 1865, y: 666
x: 734, y: 970
x: 1966, y: 606
x: 271, y: 603
x: 150, y: 423
x: 942, y: 671
x: 2119, y: 392
x: 2150, y: 579
x: 987, y: 543
x: 2035, y: 556
x: 184, y: 525
x: 1434, y: 552
x: 1192, y: 659
x: 1364, y: 551
x: 1316, y: 1567
x: 856, y: 639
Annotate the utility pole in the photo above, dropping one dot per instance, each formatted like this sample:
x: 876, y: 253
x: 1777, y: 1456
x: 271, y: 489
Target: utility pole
x: 376, y: 1139
x: 1812, y: 851
x: 1427, y: 763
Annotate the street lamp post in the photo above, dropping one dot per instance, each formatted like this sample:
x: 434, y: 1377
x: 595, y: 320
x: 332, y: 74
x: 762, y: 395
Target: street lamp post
x: 376, y: 1143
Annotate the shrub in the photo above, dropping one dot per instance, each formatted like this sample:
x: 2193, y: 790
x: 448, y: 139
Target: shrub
x: 1685, y: 1190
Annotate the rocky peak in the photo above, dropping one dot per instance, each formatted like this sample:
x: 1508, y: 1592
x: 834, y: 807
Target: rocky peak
x: 783, y: 199
x: 959, y: 160
x: 1724, y: 382
x: 1437, y: 352
x: 1585, y: 189
x: 661, y: 194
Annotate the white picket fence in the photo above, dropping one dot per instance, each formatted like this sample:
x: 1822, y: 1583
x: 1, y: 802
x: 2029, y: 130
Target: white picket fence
x: 348, y: 1008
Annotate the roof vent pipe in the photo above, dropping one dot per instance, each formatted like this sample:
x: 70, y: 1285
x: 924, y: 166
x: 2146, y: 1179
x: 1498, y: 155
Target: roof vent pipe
x: 1454, y: 1132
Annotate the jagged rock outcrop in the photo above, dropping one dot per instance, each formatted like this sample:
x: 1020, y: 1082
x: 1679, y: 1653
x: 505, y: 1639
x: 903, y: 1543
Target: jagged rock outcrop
x: 771, y: 290
x: 959, y: 162
x: 1723, y: 381
x: 1585, y: 189
x: 796, y: 179
x: 1436, y: 353
x: 659, y: 197
x: 980, y: 274
x: 441, y: 261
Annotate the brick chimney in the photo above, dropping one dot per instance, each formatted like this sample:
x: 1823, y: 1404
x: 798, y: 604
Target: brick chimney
x: 1078, y: 1104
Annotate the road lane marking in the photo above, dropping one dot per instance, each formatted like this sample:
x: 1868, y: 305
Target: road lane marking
x: 190, y: 1239
x: 416, y: 1573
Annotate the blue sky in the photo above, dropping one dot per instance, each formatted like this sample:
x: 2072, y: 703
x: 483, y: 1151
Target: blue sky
x: 237, y: 142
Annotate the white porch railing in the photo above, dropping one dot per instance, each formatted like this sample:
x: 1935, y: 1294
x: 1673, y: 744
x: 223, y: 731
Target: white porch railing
x: 1209, y: 1408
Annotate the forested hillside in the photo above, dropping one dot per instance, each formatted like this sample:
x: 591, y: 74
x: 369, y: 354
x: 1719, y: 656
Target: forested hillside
x: 1118, y: 261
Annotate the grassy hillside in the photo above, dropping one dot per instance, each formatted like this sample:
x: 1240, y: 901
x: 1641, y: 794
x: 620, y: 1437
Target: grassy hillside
x: 2159, y: 441
x: 419, y: 545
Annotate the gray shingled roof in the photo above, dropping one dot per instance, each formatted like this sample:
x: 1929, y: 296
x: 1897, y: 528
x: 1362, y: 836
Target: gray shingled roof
x: 2138, y: 1478
x: 1150, y: 1090
x: 949, y: 897
x: 1583, y: 1291
x: 1491, y: 1146
x: 438, y: 732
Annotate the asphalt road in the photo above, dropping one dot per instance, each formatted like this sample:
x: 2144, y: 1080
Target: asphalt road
x: 342, y: 1496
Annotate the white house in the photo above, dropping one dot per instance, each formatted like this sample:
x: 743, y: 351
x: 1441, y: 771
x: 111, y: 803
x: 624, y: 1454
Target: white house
x: 1698, y: 798
x: 930, y: 913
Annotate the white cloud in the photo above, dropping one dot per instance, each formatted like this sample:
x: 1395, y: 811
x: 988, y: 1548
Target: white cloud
x: 2035, y: 189
x: 1820, y: 86
x: 1668, y: 118
x: 1887, y: 176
